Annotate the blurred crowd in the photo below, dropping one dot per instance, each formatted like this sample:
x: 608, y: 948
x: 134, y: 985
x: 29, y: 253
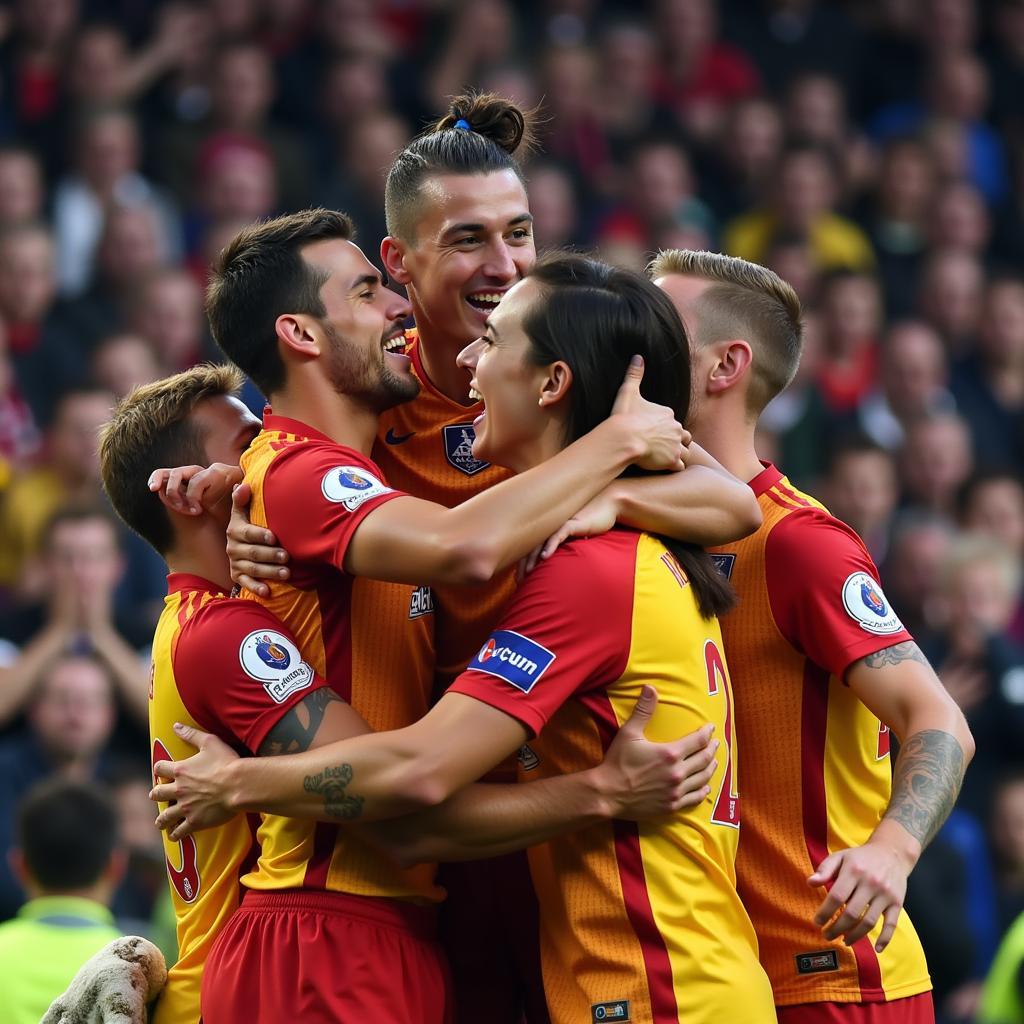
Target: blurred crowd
x: 872, y: 153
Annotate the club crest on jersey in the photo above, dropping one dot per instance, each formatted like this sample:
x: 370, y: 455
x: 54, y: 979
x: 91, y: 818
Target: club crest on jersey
x: 272, y: 659
x: 458, y: 448
x: 351, y: 486
x: 421, y: 603
x: 513, y: 657
x: 617, y: 1010
x: 724, y: 564
x: 865, y: 603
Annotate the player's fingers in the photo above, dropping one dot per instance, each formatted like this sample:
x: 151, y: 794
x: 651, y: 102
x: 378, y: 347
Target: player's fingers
x: 684, y: 801
x: 182, y: 831
x: 172, y: 488
x: 533, y: 558
x: 630, y: 386
x: 240, y: 498
x: 253, y: 586
x: 697, y: 742
x: 259, y: 567
x: 855, y: 908
x: 169, y: 818
x: 826, y: 870
x: 699, y: 771
x: 868, y: 918
x: 190, y: 734
x: 642, y: 710
x: 164, y: 793
x: 157, y: 479
x: 833, y: 902
x: 890, y: 917
x: 165, y: 770
x: 552, y: 544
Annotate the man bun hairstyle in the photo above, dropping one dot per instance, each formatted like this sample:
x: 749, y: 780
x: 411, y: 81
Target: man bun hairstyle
x: 481, y: 133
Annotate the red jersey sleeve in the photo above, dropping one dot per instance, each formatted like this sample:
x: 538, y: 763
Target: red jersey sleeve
x: 238, y: 671
x: 567, y: 629
x: 315, y: 496
x: 824, y: 592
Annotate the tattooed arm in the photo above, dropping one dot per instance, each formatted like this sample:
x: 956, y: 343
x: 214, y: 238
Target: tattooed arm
x: 321, y: 718
x: 870, y: 881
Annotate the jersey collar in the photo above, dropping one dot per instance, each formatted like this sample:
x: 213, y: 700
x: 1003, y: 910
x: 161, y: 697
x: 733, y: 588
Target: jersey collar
x: 768, y: 477
x: 179, y: 581
x: 286, y: 425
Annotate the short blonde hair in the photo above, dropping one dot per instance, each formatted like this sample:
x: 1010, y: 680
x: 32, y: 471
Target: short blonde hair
x: 150, y: 429
x: 745, y: 301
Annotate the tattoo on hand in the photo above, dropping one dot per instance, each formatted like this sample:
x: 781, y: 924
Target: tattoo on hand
x: 929, y: 771
x: 297, y: 727
x: 906, y: 651
x: 332, y: 783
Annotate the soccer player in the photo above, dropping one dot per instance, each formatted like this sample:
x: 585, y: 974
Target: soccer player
x: 231, y: 667
x: 639, y: 924
x: 825, y: 673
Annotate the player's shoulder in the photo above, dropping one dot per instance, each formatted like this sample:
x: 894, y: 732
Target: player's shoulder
x: 219, y: 620
x: 587, y: 566
x: 808, y: 532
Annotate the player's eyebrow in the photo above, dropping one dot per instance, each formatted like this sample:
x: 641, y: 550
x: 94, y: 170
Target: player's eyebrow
x: 489, y: 328
x: 472, y: 229
x: 363, y: 280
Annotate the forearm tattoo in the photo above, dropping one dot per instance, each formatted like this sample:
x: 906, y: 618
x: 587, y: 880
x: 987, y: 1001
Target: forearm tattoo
x: 929, y: 771
x: 906, y: 651
x: 297, y: 727
x: 331, y: 783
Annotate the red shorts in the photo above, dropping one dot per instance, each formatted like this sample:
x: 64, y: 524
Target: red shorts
x: 326, y: 958
x: 912, y: 1010
x: 489, y: 929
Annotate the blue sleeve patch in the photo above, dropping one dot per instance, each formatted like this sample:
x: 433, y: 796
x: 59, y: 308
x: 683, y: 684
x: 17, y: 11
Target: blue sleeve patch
x: 513, y: 657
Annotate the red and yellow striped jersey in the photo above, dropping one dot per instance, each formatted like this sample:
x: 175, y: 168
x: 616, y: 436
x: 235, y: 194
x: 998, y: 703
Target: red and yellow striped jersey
x: 425, y: 447
x: 816, y: 764
x: 230, y: 668
x: 638, y: 922
x: 372, y: 641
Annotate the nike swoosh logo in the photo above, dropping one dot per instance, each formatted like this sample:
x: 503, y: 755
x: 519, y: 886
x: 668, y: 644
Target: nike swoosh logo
x: 392, y: 438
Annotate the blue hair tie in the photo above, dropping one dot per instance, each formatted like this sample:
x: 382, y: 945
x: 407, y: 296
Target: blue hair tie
x: 463, y: 124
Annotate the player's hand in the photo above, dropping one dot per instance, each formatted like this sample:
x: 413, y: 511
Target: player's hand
x: 194, y: 489
x: 644, y: 779
x: 194, y: 792
x: 867, y: 883
x: 251, y: 549
x: 656, y: 427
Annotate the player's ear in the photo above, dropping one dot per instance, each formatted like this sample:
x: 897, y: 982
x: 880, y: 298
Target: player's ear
x: 732, y: 359
x: 297, y: 333
x: 557, y: 383
x: 392, y: 255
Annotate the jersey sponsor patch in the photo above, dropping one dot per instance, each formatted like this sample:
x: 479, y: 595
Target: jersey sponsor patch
x: 724, y: 564
x: 513, y: 657
x: 865, y: 603
x: 817, y: 963
x: 458, y: 448
x: 421, y: 602
x: 351, y: 486
x: 272, y: 659
x: 616, y: 1010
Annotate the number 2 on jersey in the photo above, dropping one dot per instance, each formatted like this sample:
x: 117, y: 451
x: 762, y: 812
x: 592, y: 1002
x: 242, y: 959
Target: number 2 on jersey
x: 727, y: 806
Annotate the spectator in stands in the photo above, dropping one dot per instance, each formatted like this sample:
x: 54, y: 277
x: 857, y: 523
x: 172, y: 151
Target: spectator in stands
x: 950, y: 299
x: 1006, y: 826
x: 851, y: 321
x: 960, y: 220
x: 861, y: 489
x: 21, y: 186
x: 982, y: 669
x: 806, y: 186
x: 48, y: 359
x: 71, y: 718
x: 124, y: 361
x: 989, y: 382
x: 68, y: 861
x: 556, y: 214
x: 895, y: 217
x: 628, y: 77
x: 935, y: 461
x: 19, y: 435
x: 912, y: 382
x: 70, y: 474
x: 912, y: 576
x: 107, y: 159
x: 168, y: 313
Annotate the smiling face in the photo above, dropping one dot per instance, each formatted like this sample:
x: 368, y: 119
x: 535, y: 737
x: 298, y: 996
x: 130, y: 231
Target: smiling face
x: 362, y: 321
x: 509, y: 384
x: 473, y: 242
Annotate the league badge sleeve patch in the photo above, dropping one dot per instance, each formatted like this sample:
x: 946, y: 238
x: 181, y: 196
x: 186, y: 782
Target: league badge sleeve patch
x: 351, y: 486
x: 866, y: 604
x: 272, y: 659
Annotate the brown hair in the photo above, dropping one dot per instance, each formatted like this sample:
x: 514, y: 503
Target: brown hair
x: 745, y: 301
x: 150, y: 428
x: 259, y: 276
x: 480, y: 134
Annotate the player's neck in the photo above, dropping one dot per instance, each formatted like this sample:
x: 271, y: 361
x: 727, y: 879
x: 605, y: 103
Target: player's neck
x: 344, y: 419
x: 729, y: 439
x: 199, y: 551
x: 437, y: 356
